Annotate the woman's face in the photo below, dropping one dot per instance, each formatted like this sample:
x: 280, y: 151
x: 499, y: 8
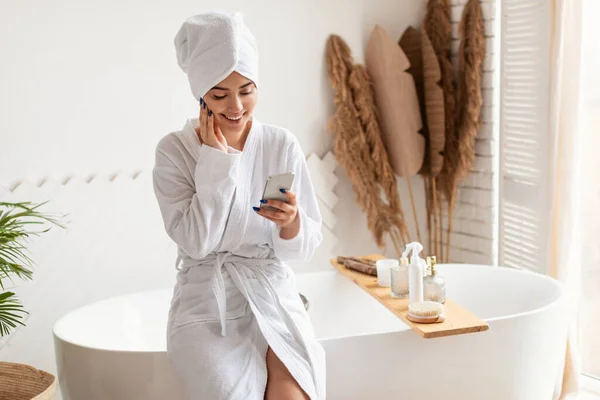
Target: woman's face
x: 232, y: 101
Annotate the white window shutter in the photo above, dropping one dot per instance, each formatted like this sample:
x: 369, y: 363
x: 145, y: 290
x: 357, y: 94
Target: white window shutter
x: 524, y: 133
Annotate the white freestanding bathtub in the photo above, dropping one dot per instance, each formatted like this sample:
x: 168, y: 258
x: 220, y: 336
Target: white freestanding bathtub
x: 115, y: 349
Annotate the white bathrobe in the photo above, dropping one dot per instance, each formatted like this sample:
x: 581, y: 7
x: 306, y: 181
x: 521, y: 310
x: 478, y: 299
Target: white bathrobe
x: 234, y: 296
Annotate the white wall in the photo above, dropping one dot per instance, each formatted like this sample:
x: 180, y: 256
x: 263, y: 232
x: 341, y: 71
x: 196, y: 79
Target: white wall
x: 91, y: 86
x: 88, y: 88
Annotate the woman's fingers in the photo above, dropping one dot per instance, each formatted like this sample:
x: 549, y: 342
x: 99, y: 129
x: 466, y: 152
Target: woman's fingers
x: 280, y: 205
x: 206, y: 129
x: 219, y: 140
x: 219, y: 134
x: 210, y: 125
x: 204, y: 123
x: 198, y: 129
x: 271, y: 214
x: 284, y: 213
x: 291, y: 196
x: 278, y: 217
x: 201, y: 130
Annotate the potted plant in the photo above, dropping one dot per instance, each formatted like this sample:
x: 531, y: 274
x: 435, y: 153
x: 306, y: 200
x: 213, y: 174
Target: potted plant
x: 18, y: 222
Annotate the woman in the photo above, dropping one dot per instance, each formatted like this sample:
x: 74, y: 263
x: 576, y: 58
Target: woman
x: 237, y: 327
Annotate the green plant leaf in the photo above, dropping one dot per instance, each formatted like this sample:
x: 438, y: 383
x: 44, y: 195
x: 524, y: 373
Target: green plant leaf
x: 11, y: 313
x: 15, y: 254
x: 18, y: 223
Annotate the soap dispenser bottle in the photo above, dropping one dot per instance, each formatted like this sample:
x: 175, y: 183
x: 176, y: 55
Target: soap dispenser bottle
x: 415, y: 272
x: 434, y: 286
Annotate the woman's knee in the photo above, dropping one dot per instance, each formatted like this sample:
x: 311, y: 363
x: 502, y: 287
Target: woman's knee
x: 281, y: 385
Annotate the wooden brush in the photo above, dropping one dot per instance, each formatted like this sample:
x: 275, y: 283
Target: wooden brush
x: 426, y: 312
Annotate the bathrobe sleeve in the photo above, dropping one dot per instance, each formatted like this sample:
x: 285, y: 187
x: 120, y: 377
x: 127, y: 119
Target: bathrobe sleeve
x: 303, y: 245
x: 194, y: 208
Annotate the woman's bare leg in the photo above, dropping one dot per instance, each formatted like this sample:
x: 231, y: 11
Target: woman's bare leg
x: 281, y: 385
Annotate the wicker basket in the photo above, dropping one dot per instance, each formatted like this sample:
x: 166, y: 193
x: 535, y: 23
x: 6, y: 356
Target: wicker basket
x: 23, y: 382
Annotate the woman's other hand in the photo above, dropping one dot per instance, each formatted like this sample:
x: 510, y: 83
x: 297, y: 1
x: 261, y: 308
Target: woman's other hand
x: 208, y: 130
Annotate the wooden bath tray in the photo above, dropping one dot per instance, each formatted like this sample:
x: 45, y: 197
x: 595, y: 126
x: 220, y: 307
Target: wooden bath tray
x: 458, y: 320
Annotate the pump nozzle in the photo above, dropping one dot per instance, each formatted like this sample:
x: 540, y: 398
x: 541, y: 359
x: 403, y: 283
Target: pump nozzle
x: 415, y: 248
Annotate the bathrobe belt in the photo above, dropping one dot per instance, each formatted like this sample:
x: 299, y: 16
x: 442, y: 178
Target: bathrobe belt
x: 232, y: 263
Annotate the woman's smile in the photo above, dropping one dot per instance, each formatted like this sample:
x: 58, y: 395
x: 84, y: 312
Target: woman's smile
x: 233, y: 119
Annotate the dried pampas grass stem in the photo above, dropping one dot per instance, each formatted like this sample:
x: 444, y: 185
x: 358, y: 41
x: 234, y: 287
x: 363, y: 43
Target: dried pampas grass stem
x: 471, y: 55
x: 438, y: 28
x: 358, y: 148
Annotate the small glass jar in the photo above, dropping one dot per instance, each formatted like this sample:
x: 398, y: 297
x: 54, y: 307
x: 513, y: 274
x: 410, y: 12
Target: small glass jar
x: 434, y: 286
x: 383, y: 271
x: 399, y: 275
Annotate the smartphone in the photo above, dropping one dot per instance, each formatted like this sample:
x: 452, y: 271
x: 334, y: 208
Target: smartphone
x: 274, y: 184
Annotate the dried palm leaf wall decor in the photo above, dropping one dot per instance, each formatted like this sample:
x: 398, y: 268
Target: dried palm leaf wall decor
x: 425, y: 124
x: 427, y: 75
x: 410, y: 43
x: 398, y: 106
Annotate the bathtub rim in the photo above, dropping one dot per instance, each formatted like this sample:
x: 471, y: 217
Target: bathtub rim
x: 559, y: 298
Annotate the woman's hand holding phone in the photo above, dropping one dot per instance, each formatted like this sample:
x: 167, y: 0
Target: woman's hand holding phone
x: 208, y: 131
x: 286, y: 214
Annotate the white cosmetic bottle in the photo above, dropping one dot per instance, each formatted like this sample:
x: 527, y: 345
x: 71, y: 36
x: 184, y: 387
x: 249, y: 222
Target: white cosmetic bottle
x: 415, y: 272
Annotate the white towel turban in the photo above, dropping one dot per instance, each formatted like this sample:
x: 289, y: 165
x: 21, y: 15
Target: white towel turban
x: 213, y: 45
